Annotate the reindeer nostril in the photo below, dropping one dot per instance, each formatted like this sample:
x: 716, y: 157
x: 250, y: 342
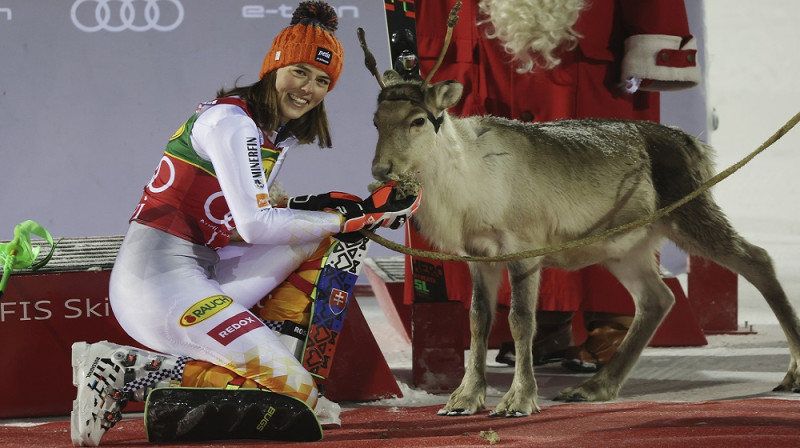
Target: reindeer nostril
x: 381, y: 171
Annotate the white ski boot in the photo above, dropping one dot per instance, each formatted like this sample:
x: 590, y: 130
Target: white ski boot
x: 107, y: 376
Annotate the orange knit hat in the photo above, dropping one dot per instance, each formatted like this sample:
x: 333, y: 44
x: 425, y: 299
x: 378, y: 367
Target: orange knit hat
x: 308, y: 39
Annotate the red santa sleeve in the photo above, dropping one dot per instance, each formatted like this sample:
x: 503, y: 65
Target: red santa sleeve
x: 660, y: 52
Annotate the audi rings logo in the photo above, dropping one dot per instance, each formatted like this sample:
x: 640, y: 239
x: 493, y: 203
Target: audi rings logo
x: 126, y: 15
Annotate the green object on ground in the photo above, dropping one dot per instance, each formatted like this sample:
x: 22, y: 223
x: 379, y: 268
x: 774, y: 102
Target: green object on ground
x: 19, y: 253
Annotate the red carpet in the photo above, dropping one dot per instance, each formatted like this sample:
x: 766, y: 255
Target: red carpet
x: 723, y: 424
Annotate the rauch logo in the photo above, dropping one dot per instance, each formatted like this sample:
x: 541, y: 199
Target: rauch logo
x: 204, y: 309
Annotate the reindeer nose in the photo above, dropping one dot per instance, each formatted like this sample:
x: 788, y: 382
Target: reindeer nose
x: 381, y: 171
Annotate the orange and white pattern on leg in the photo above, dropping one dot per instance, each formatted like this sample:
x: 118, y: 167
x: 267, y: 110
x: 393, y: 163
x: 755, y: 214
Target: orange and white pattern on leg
x: 277, y: 370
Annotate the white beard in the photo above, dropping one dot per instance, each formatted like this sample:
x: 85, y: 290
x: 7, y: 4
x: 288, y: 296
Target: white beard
x: 533, y: 31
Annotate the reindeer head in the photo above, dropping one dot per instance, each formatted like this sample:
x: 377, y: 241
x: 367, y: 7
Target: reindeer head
x: 409, y: 118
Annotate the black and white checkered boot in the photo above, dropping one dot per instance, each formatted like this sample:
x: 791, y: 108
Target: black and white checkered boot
x: 108, y: 376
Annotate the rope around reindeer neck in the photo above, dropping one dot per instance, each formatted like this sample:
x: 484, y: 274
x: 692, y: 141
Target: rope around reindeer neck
x: 594, y: 238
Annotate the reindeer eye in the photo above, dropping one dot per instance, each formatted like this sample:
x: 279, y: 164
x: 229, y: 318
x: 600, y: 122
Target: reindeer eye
x: 418, y: 122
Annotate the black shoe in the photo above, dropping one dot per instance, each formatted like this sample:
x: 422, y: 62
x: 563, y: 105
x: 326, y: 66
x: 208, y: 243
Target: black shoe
x: 553, y: 336
x: 506, y: 355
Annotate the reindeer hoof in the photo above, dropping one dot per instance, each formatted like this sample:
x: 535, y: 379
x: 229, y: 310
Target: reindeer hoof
x: 454, y: 412
x: 784, y: 388
x: 572, y: 398
x: 508, y: 414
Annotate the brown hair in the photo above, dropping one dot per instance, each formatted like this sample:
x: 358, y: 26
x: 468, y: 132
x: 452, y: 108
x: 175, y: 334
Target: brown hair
x: 262, y: 103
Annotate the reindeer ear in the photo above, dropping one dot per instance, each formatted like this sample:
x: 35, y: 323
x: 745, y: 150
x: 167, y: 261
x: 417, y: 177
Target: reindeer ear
x: 391, y: 77
x: 445, y: 94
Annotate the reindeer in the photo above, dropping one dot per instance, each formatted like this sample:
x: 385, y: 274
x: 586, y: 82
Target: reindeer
x: 495, y: 186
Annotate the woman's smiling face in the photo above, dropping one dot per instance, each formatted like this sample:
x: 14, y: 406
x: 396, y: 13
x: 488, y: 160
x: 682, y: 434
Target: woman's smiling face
x: 300, y: 87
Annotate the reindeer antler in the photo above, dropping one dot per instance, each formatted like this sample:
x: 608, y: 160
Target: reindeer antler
x: 372, y: 65
x: 452, y: 19
x: 369, y: 58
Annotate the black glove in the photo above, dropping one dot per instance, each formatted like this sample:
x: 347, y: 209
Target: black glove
x: 380, y: 209
x: 320, y: 202
x: 335, y: 200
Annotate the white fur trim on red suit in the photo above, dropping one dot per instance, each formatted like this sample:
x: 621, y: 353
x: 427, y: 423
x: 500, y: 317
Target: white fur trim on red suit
x: 645, y: 59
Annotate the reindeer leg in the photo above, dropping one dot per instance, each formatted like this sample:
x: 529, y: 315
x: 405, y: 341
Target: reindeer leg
x: 755, y: 265
x: 470, y: 396
x: 722, y: 244
x: 638, y: 272
x: 520, y: 400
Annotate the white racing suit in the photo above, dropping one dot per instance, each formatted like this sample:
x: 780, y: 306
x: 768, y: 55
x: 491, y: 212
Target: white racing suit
x: 180, y: 288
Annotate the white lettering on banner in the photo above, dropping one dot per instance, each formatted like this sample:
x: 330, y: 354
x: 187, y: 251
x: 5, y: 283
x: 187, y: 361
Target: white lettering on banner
x: 126, y: 17
x: 226, y: 220
x: 24, y: 311
x: 259, y: 12
x: 7, y: 12
x: 235, y: 326
x: 286, y: 11
x: 85, y: 308
x: 158, y: 171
